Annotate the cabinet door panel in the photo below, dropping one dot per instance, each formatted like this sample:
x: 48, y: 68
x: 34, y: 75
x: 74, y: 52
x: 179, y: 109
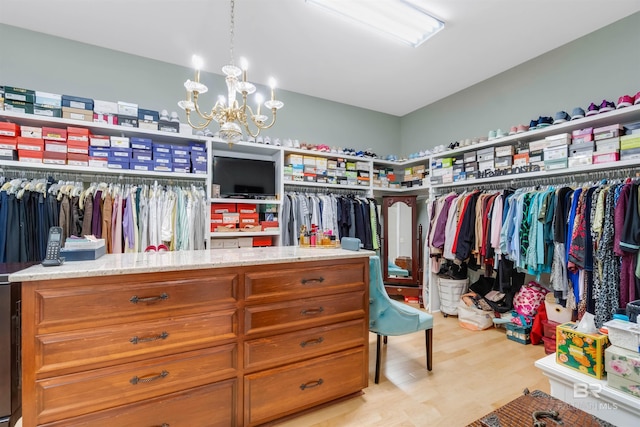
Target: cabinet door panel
x: 278, y: 392
x: 63, y: 352
x: 82, y: 393
x: 296, y: 281
x: 305, y: 312
x: 208, y: 406
x: 130, y: 297
x: 276, y: 350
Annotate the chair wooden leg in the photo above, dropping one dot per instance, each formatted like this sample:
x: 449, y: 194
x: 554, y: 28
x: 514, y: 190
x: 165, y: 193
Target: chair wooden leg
x: 429, y: 344
x: 377, y: 377
x: 385, y: 339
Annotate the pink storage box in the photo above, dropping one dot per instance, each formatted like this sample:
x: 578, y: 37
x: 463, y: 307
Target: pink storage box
x: 579, y: 132
x: 607, y: 132
x: 605, y: 157
x: 582, y: 139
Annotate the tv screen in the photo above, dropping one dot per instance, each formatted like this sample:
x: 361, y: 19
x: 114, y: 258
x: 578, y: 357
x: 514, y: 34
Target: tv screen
x: 244, y: 177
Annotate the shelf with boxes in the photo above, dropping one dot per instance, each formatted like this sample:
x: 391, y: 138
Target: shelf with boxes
x: 409, y: 175
x: 99, y: 147
x: 244, y: 223
x: 605, y: 141
x: 322, y: 169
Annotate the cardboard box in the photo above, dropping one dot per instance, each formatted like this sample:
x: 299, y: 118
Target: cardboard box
x: 76, y: 159
x: 630, y: 143
x: 117, y: 163
x: 8, y: 143
x: 165, y: 126
x: 605, y: 157
x: 100, y: 141
x: 246, y: 208
x: 99, y: 152
x: 557, y: 152
x: 128, y: 109
x: 54, y: 158
x: 128, y: 121
x: 633, y: 153
x: 30, y: 144
x: 503, y: 151
x: 98, y: 162
x: 30, y: 156
x: 149, y: 116
x: 580, y: 132
x: 148, y: 125
x: 49, y: 99
x: 608, y: 132
x: 120, y: 142
x: 141, y: 165
x: 56, y: 146
x: 77, y: 134
x: 555, y: 164
x: 77, y: 114
x: 105, y: 108
x: 30, y: 132
x: 262, y: 241
x: 580, y: 160
x: 120, y: 153
x: 580, y: 351
x: 611, y: 145
x: 109, y: 119
x: 8, y: 154
x: 221, y: 208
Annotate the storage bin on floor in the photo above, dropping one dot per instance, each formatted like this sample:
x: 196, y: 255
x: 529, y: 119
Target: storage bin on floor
x: 450, y: 293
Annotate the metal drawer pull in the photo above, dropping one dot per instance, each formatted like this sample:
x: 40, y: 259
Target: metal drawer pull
x: 135, y: 380
x: 319, y: 280
x: 162, y: 336
x: 310, y: 311
x: 309, y: 342
x: 135, y: 299
x: 311, y: 384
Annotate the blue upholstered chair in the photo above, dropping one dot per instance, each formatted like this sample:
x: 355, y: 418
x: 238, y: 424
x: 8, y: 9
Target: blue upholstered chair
x: 388, y: 317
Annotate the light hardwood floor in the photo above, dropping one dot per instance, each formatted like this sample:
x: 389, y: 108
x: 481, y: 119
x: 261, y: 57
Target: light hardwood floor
x: 473, y: 374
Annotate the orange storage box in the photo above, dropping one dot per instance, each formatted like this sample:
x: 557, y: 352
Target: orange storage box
x: 31, y: 144
x: 262, y: 241
x: 30, y: 156
x: 55, y: 134
x: 249, y: 219
x: 9, y: 143
x: 77, y: 134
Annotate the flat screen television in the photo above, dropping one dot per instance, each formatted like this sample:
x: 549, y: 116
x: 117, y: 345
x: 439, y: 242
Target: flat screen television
x: 244, y: 178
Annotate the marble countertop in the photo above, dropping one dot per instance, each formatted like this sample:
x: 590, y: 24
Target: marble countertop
x: 115, y: 264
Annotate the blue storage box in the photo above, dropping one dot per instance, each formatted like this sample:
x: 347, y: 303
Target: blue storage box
x: 148, y: 115
x: 181, y: 151
x: 162, y: 167
x: 83, y: 254
x: 141, y: 165
x: 145, y: 155
x: 141, y: 143
x: 99, y: 152
x: 161, y: 148
x: 162, y: 160
x: 77, y: 102
x: 181, y: 168
x: 197, y: 147
x: 198, y: 157
x: 181, y: 160
x: 120, y: 153
x: 115, y: 163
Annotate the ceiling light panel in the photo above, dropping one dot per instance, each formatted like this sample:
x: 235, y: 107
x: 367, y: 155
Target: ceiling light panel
x: 405, y: 20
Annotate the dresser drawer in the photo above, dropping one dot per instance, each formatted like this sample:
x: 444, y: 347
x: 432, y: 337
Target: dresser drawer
x: 296, y: 281
x: 64, y: 352
x: 82, y: 393
x: 278, y: 392
x: 128, y: 298
x: 276, y: 350
x: 306, y: 312
x: 208, y: 406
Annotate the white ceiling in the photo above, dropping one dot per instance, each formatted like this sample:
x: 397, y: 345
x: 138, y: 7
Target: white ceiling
x: 314, y: 53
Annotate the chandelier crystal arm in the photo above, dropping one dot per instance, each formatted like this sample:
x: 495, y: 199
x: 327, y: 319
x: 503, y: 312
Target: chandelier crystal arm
x: 195, y: 126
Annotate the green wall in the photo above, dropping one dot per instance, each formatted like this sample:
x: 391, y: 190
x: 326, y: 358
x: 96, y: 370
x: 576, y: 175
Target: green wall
x: 52, y: 64
x: 602, y: 65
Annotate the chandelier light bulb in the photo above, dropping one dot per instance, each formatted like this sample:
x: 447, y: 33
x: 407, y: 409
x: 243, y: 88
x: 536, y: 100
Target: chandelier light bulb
x: 244, y: 64
x: 272, y: 83
x: 221, y: 100
x: 259, y: 101
x: 197, y: 62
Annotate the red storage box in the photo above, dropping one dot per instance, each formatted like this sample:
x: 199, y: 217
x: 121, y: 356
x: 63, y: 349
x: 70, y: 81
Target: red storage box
x: 246, y: 208
x: 76, y: 159
x: 549, y: 329
x: 77, y: 134
x: 9, y: 129
x: 248, y: 219
x: 270, y: 225
x: 9, y: 143
x: 217, y: 218
x: 223, y: 207
x: 30, y: 156
x: 54, y: 157
x: 54, y: 134
x: 79, y: 147
x: 58, y: 147
x: 262, y: 241
x: 31, y: 144
x: 549, y: 345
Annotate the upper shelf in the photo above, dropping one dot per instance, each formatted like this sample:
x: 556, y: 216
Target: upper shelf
x: 621, y: 116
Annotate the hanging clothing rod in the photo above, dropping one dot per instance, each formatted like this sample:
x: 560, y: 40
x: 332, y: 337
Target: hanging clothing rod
x: 570, y: 180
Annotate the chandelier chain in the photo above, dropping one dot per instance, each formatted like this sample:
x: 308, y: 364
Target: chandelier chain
x: 231, y: 33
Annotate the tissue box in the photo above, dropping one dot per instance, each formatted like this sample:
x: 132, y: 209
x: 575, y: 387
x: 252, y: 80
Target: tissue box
x: 580, y: 351
x: 624, y: 334
x: 624, y: 384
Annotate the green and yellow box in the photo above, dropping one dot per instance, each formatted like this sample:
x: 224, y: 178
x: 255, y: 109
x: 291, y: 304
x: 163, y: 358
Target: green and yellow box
x: 580, y: 351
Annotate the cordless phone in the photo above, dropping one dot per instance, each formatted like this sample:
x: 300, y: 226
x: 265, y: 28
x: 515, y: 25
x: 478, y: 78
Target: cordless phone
x: 52, y: 257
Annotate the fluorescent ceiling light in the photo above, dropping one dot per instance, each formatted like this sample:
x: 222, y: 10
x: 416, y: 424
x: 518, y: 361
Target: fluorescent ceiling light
x: 406, y: 20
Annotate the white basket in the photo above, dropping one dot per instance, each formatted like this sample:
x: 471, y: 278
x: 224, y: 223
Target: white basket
x: 624, y: 334
x: 450, y: 293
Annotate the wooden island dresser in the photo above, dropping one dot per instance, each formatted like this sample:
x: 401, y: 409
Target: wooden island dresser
x: 237, y: 337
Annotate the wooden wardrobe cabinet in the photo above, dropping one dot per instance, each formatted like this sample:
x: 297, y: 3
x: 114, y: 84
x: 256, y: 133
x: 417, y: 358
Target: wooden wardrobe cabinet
x: 204, y: 347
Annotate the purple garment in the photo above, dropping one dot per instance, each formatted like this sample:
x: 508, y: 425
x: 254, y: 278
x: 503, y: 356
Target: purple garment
x: 627, y: 276
x: 128, y: 232
x: 441, y: 222
x: 96, y: 217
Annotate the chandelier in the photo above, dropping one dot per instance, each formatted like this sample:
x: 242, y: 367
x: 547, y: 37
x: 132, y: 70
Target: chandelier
x: 230, y: 114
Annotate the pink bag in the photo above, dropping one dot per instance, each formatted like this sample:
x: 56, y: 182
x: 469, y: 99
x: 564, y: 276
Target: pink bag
x: 527, y: 300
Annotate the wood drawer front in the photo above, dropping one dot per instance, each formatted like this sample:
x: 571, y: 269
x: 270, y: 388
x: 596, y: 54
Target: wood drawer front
x: 304, y: 312
x: 78, y: 394
x: 66, y: 352
x: 282, y: 391
x: 295, y: 281
x: 276, y: 350
x: 213, y: 405
x: 109, y: 303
